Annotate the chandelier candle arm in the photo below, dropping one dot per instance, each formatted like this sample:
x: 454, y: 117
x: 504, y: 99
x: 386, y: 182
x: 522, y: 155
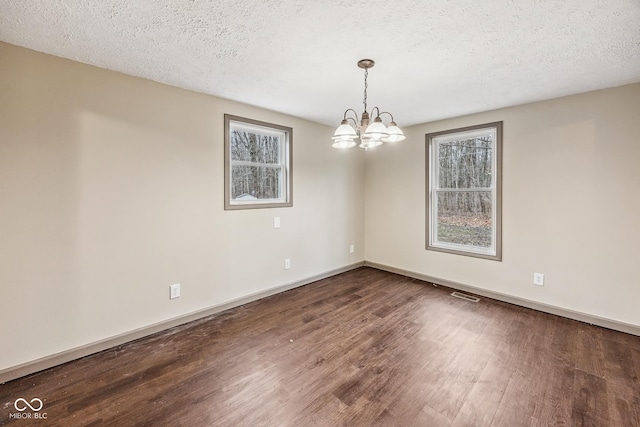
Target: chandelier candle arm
x: 370, y: 134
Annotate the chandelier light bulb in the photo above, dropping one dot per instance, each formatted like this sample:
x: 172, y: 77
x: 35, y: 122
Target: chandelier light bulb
x: 369, y: 143
x: 376, y: 131
x: 344, y: 136
x: 342, y: 144
x: 395, y: 134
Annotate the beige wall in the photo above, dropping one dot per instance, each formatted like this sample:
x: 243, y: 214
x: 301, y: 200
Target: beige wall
x: 111, y: 189
x: 571, y: 203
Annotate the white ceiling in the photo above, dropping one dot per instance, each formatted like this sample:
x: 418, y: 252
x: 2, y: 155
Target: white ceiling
x: 434, y: 58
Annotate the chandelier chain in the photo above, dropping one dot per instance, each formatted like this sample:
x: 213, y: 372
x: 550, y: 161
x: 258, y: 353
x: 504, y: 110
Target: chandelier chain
x: 366, y: 74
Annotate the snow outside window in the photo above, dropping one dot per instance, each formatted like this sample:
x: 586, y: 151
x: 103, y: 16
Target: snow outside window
x: 257, y: 164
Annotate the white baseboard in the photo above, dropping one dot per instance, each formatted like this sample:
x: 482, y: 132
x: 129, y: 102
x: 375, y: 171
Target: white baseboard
x: 546, y: 308
x: 46, y: 362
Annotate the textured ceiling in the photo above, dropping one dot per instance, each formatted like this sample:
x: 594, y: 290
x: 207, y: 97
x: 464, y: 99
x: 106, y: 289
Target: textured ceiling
x: 434, y: 58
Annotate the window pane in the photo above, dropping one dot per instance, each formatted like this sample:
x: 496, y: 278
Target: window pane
x: 464, y: 218
x: 255, y: 182
x: 254, y: 147
x: 258, y: 164
x: 465, y: 163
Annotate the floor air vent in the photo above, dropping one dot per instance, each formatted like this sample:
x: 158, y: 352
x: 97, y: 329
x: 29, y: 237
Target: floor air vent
x: 465, y: 296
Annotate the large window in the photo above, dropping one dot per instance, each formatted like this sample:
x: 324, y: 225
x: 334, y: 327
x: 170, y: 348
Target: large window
x: 258, y: 169
x: 464, y: 185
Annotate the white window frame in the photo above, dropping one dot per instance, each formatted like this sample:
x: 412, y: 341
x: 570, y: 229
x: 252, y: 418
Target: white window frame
x: 285, y: 135
x: 433, y: 141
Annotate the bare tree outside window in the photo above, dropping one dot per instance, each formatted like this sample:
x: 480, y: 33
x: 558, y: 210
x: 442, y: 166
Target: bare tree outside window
x: 464, y: 191
x: 257, y: 164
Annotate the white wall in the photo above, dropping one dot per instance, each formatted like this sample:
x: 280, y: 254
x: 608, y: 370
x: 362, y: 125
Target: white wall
x: 111, y: 189
x: 571, y: 203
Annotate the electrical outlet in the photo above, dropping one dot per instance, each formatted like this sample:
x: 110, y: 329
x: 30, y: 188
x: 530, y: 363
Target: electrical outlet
x: 287, y: 264
x: 174, y: 291
x: 352, y: 249
x: 538, y: 279
x: 276, y: 222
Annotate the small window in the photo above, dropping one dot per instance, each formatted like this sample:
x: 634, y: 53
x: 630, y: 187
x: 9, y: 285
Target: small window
x: 258, y: 164
x: 464, y: 185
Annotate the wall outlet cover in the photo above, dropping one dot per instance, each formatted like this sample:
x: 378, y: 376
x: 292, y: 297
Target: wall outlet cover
x: 174, y: 291
x: 538, y: 279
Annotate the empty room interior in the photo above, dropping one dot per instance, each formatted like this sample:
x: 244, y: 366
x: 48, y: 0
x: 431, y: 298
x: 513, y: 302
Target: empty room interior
x: 328, y: 213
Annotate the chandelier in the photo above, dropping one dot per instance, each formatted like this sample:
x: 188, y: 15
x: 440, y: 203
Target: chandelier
x: 370, y: 134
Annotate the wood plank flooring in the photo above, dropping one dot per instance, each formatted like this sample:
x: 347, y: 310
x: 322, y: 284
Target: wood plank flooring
x: 364, y: 348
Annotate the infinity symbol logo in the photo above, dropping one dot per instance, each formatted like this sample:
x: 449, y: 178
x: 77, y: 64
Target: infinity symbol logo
x: 27, y: 404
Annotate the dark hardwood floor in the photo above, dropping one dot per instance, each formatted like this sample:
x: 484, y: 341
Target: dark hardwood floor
x: 364, y: 348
